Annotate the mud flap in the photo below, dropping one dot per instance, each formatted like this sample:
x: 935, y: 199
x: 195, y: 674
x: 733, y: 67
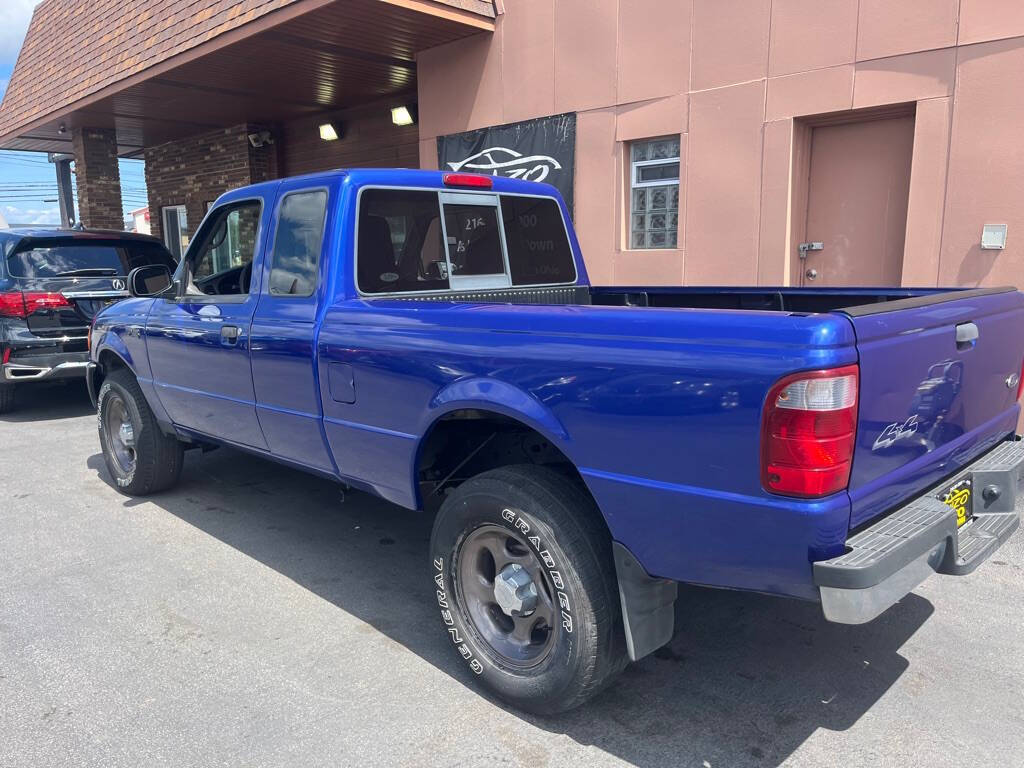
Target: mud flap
x: 648, y: 605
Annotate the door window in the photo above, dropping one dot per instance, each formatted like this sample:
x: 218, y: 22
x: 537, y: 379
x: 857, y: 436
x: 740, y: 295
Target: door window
x: 175, y: 229
x: 300, y: 229
x: 220, y: 264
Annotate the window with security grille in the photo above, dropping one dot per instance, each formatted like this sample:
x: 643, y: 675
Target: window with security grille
x: 654, y: 193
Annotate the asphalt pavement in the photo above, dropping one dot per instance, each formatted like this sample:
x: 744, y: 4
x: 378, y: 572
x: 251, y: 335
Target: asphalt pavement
x: 258, y: 616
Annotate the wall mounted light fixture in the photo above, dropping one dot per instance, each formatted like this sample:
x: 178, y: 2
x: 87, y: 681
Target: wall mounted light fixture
x: 404, y: 115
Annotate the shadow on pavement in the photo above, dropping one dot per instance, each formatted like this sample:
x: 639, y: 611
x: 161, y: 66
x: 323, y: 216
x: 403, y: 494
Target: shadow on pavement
x: 49, y: 401
x: 746, y: 681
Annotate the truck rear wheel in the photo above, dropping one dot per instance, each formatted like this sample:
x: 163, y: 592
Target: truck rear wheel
x: 141, y: 459
x: 524, y: 580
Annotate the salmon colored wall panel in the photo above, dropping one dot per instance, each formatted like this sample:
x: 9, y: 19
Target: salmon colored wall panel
x: 730, y: 42
x: 811, y: 34
x: 528, y: 56
x: 986, y: 167
x: 585, y: 63
x: 723, y: 184
x: 927, y: 192
x: 428, y: 154
x: 773, y: 241
x: 460, y: 85
x: 656, y: 60
x: 810, y: 93
x: 654, y: 266
x: 647, y: 119
x: 891, y: 27
x: 912, y: 77
x: 596, y: 214
x: 982, y: 20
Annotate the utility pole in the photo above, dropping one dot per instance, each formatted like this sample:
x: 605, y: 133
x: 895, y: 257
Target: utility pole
x: 62, y: 163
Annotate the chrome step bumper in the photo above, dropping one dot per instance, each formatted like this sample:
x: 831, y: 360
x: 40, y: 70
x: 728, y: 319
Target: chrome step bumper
x: 887, y: 560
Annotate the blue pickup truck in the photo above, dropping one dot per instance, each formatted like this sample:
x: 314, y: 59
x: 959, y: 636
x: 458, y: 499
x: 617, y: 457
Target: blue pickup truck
x: 432, y: 338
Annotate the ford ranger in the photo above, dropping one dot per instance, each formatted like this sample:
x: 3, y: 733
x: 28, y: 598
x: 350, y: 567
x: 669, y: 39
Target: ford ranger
x: 432, y: 338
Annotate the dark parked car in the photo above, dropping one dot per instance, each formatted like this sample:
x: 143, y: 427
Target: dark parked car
x: 52, y: 284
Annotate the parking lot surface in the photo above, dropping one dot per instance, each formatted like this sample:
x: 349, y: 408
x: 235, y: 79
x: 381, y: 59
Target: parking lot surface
x: 257, y: 616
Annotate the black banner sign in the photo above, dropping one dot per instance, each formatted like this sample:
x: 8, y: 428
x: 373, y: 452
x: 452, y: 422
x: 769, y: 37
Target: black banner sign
x: 535, y: 150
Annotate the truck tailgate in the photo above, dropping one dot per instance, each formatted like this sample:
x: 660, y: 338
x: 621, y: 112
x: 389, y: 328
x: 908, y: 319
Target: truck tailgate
x: 929, y: 403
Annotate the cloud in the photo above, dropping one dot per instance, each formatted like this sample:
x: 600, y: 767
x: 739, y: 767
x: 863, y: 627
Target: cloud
x: 27, y: 217
x: 14, y: 18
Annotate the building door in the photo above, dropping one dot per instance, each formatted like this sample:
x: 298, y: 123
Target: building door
x: 857, y: 193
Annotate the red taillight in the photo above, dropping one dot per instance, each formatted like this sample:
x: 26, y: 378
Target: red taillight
x: 12, y: 305
x: 24, y: 304
x: 467, y: 180
x: 6, y: 355
x: 1020, y: 381
x: 808, y: 433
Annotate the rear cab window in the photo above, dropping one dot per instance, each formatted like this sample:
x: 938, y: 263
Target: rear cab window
x: 63, y: 257
x: 412, y: 241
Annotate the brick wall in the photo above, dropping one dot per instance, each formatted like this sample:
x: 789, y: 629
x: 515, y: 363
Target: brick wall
x: 99, y: 180
x: 194, y: 172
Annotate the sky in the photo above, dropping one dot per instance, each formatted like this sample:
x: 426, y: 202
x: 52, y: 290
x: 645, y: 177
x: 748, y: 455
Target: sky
x: 28, y: 182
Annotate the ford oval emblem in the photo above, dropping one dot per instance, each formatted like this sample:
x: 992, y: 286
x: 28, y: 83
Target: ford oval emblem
x: 117, y: 285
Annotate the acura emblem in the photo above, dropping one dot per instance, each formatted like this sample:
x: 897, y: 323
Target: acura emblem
x: 118, y: 285
x: 1012, y: 380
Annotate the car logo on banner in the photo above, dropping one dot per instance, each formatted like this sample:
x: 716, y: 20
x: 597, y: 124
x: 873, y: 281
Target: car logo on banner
x: 117, y: 285
x: 501, y: 161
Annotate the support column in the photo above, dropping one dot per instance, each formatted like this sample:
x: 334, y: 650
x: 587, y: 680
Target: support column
x: 99, y: 180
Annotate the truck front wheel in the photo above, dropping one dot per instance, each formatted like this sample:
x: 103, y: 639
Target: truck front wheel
x: 525, y: 585
x: 141, y: 459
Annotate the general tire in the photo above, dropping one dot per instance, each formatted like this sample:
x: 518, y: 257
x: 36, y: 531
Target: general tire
x: 564, y: 529
x: 6, y: 398
x: 157, y: 457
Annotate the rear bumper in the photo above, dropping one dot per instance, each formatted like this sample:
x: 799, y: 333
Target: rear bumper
x: 65, y: 365
x: 887, y: 560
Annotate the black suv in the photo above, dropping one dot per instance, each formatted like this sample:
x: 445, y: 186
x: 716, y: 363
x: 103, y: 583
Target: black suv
x: 52, y: 284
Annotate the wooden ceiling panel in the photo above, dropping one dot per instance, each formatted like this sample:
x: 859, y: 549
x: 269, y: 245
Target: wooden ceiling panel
x: 346, y: 53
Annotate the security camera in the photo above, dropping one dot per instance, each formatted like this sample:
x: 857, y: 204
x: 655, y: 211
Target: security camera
x: 259, y: 139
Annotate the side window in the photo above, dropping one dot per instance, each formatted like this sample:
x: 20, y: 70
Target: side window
x: 221, y: 263
x: 399, y: 245
x: 300, y: 230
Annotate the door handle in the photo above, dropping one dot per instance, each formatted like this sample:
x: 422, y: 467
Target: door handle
x: 229, y: 334
x: 966, y: 335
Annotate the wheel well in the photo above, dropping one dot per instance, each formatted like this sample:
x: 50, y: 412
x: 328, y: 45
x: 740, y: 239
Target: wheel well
x: 467, y: 442
x: 108, y: 363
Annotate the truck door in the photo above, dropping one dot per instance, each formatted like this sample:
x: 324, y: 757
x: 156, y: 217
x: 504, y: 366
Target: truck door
x: 284, y: 327
x: 199, y: 341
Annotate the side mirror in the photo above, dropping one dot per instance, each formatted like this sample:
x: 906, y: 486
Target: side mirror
x: 151, y: 280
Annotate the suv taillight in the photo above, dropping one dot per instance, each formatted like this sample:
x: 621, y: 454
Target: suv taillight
x: 1020, y: 381
x: 808, y: 433
x: 17, y: 304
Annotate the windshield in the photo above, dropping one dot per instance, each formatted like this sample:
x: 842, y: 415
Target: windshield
x: 85, y: 259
